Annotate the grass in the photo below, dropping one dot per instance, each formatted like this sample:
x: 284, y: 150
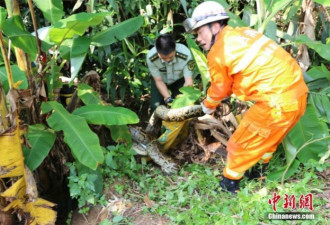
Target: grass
x: 192, y: 196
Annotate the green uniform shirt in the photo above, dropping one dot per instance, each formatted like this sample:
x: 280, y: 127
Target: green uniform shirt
x: 182, y: 65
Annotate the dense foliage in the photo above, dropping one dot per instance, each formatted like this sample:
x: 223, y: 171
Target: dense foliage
x: 112, y: 39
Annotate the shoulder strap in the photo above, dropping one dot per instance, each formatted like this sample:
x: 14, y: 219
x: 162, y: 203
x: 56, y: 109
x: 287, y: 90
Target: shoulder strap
x: 181, y: 55
x: 153, y: 57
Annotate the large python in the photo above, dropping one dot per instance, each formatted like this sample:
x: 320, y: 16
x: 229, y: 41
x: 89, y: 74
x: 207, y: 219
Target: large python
x: 145, y: 144
x: 162, y: 113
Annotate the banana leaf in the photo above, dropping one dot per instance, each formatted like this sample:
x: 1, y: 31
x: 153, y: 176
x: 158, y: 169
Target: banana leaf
x: 106, y: 115
x: 275, y: 8
x: 307, y: 129
x: 15, y: 30
x: 82, y: 141
x: 42, y: 140
x: 323, y: 2
x: 74, y: 25
x: 201, y: 62
x: 117, y: 32
x: 19, y: 78
x: 88, y: 95
x: 276, y: 175
x: 120, y: 134
x: 52, y: 9
x: 3, y: 15
x: 188, y: 97
x: 79, y: 51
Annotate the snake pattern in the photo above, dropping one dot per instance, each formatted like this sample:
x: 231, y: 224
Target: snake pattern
x: 145, y: 144
x: 176, y: 115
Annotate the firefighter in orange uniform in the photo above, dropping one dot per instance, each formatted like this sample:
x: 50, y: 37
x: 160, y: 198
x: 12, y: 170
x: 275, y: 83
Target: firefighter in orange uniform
x: 251, y: 66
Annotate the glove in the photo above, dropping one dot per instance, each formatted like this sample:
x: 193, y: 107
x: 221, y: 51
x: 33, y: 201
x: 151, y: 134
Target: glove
x: 207, y: 110
x: 168, y: 100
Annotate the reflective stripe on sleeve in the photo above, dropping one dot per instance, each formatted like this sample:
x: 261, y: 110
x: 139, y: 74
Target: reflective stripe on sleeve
x: 208, y: 98
x: 250, y: 54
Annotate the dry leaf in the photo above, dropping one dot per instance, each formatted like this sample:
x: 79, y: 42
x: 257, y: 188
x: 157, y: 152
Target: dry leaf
x: 148, y: 202
x: 213, y: 147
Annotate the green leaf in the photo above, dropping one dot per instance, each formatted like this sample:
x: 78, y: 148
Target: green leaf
x: 19, y: 75
x: 16, y: 32
x: 322, y: 49
x: 74, y: 24
x: 317, y: 72
x: 270, y: 30
x: 277, y: 175
x: 184, y: 6
x: 117, y: 32
x: 120, y: 134
x: 117, y: 219
x: 76, y: 64
x: 276, y: 7
x: 249, y: 18
x: 223, y: 3
x: 107, y: 115
x: 3, y: 15
x: 105, y: 222
x: 323, y: 2
x: 308, y: 128
x: 52, y: 9
x: 83, y: 143
x: 79, y: 51
x: 292, y: 11
x: 318, y: 84
x: 289, y: 148
x: 94, y: 176
x: 43, y: 35
x: 201, y: 62
x: 88, y: 95
x: 261, y: 10
x: 65, y: 49
x: 42, y: 140
x: 235, y: 20
x: 321, y: 102
x: 80, y: 46
x: 189, y: 96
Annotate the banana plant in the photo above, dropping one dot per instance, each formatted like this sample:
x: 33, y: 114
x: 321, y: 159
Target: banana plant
x: 23, y: 192
x: 65, y: 39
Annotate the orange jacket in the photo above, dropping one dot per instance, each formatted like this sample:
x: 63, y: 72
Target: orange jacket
x: 253, y: 67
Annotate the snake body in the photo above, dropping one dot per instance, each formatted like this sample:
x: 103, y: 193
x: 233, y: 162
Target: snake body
x: 162, y: 113
x: 145, y: 144
x: 181, y: 114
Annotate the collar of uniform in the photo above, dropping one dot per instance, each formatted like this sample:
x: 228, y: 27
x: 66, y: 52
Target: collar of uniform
x: 223, y: 32
x: 170, y: 62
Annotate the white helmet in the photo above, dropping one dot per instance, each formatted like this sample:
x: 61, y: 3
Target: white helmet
x: 205, y: 13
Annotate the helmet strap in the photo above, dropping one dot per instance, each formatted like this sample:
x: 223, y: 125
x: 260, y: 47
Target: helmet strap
x: 213, y: 35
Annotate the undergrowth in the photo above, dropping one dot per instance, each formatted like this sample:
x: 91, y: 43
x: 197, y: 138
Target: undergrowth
x: 192, y: 196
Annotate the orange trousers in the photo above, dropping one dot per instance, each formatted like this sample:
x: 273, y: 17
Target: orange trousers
x: 261, y: 130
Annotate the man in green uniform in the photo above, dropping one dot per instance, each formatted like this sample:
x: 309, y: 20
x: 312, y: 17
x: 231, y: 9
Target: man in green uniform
x: 171, y: 67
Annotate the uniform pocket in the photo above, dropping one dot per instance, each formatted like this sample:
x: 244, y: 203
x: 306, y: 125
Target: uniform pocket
x: 247, y: 132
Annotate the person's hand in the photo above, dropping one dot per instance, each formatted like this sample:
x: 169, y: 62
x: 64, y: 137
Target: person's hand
x: 168, y: 101
x: 207, y: 110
